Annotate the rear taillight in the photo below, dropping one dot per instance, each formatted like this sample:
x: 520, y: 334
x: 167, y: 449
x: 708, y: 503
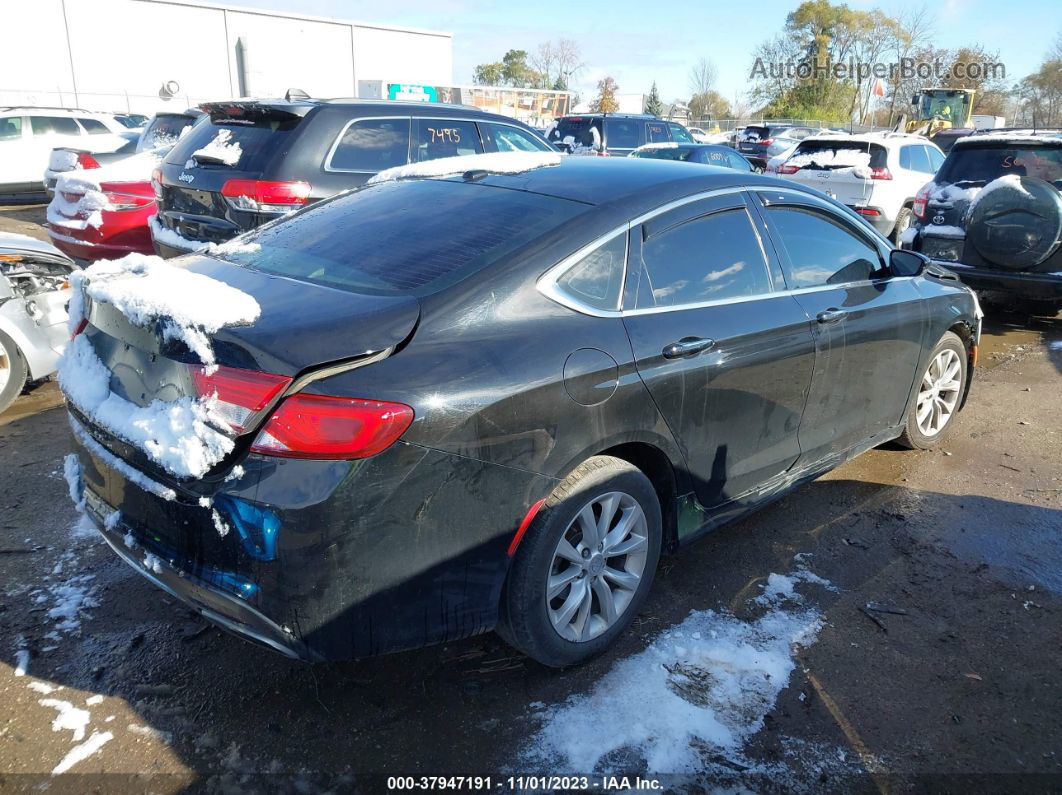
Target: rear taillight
x: 240, y: 394
x: 156, y: 183
x: 880, y: 173
x: 85, y: 160
x: 868, y: 211
x: 765, y: 142
x: 921, y: 198
x: 257, y: 195
x: 313, y: 426
x: 126, y: 201
x: 784, y: 169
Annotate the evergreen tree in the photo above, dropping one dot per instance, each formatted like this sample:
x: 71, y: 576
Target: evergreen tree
x: 653, y: 105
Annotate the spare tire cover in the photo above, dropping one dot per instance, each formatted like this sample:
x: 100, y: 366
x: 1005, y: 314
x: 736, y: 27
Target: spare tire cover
x: 1017, y: 224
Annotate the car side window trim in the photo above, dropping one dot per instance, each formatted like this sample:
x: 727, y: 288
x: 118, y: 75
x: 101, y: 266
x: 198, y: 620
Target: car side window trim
x: 546, y: 283
x: 855, y: 225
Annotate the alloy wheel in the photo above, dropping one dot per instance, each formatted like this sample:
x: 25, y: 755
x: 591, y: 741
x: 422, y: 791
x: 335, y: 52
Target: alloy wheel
x: 938, y: 394
x: 597, y: 566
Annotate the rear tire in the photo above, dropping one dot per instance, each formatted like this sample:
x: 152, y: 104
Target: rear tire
x: 941, y: 387
x: 585, y: 567
x: 13, y: 371
x: 903, y: 221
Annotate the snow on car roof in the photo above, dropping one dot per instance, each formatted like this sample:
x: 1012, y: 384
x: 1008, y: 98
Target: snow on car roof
x: 491, y: 162
x: 1011, y: 136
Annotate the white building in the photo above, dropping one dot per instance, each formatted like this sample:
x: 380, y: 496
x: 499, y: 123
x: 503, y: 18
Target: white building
x: 149, y: 55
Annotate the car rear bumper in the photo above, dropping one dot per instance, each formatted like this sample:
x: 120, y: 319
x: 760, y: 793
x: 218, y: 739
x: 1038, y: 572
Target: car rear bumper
x: 109, y: 248
x: 1036, y: 286
x: 401, y: 550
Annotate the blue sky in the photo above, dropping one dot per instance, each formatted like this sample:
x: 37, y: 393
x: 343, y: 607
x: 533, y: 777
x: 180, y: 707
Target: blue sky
x: 638, y: 42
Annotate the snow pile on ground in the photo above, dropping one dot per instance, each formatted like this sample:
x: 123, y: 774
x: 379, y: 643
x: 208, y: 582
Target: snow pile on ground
x: 707, y: 682
x: 491, y: 162
x: 75, y: 720
x: 72, y: 599
x: 221, y: 149
x: 79, y: 201
x: 184, y: 436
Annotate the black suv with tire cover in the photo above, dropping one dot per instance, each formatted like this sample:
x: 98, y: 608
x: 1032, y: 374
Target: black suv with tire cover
x: 255, y: 160
x: 993, y: 214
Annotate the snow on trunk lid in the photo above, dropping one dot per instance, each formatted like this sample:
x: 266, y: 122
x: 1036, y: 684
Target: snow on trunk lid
x: 185, y: 436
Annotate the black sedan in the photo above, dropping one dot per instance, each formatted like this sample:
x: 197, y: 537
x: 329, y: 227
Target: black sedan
x: 707, y: 154
x: 489, y: 400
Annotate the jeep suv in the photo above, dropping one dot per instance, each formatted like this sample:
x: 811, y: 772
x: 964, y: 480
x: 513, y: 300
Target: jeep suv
x: 616, y: 134
x: 993, y: 214
x: 877, y: 174
x: 253, y: 160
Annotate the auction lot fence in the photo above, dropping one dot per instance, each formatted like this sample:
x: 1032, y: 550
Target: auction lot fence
x: 725, y: 125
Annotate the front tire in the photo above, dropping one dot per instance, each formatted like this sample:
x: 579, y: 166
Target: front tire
x: 585, y: 567
x: 940, y: 391
x: 13, y: 371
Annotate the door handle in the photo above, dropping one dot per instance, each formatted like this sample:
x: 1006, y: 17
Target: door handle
x: 687, y: 346
x: 831, y: 315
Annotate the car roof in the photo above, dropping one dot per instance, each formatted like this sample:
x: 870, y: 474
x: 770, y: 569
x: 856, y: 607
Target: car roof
x: 639, y: 183
x: 646, y: 116
x: 1011, y: 136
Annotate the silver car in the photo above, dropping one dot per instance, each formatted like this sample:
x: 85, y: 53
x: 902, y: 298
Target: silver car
x: 34, y: 292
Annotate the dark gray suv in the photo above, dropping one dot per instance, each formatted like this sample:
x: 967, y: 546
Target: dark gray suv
x: 252, y: 161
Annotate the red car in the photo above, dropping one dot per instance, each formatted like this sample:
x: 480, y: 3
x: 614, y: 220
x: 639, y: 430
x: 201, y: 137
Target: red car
x: 106, y: 224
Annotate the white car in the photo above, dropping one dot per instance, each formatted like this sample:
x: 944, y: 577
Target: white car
x: 699, y: 135
x: 33, y: 296
x: 28, y: 135
x: 878, y: 174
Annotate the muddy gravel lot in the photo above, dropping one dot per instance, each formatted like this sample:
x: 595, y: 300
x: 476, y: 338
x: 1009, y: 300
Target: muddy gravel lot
x: 902, y: 615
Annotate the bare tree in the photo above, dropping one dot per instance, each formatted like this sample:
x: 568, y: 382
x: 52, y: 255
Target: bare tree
x: 569, y: 62
x: 544, y: 61
x: 911, y: 34
x: 702, y: 76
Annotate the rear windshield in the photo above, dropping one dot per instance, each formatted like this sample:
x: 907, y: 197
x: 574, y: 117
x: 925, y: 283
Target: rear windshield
x: 983, y: 164
x: 665, y: 153
x: 578, y: 127
x: 164, y: 131
x: 409, y: 237
x: 839, y: 154
x: 257, y: 142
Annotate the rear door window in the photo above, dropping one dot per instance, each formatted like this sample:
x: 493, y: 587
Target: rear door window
x: 435, y: 138
x: 11, y: 128
x: 503, y: 138
x: 656, y: 132
x: 94, y: 127
x: 915, y: 158
x: 678, y: 133
x: 371, y: 145
x: 935, y: 158
x: 625, y: 133
x: 822, y: 251
x: 54, y: 125
x: 738, y: 162
x: 709, y: 258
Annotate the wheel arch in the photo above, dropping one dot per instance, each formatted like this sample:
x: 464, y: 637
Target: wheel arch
x: 965, y: 332
x: 655, y: 465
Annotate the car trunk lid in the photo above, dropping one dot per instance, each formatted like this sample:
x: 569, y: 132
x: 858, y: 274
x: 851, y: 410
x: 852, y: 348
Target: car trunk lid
x: 844, y: 170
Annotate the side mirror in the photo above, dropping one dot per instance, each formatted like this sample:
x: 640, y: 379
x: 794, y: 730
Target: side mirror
x: 907, y: 263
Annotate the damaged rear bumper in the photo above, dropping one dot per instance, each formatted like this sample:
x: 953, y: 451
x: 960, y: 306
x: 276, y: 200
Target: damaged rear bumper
x: 228, y: 612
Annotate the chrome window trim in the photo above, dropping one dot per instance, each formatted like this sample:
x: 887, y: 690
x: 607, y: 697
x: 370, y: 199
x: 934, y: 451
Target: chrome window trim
x: 335, y: 144
x: 547, y: 282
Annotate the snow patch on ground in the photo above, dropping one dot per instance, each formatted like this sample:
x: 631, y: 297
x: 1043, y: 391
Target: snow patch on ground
x: 491, y: 162
x: 72, y: 600
x: 700, y: 689
x: 83, y: 751
x: 70, y: 718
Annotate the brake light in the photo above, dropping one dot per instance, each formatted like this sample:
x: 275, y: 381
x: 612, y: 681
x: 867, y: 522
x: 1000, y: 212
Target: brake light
x: 880, y: 173
x: 313, y: 426
x: 126, y: 201
x: 870, y: 211
x: 240, y: 394
x: 257, y: 195
x: 156, y: 183
x: 921, y: 199
x: 765, y: 142
x: 85, y: 160
x: 785, y: 169
x: 604, y: 154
